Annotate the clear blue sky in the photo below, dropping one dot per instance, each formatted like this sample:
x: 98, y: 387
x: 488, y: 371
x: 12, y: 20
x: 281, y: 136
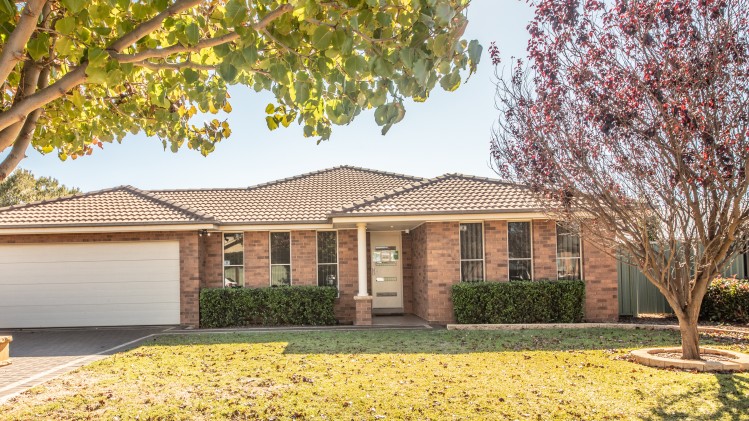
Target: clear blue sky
x: 448, y: 133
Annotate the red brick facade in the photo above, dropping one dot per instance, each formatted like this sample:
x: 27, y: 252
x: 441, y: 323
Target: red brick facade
x: 256, y: 259
x: 495, y: 250
x: 430, y: 261
x: 436, y: 267
x: 601, y: 284
x: 544, y: 249
x: 431, y: 265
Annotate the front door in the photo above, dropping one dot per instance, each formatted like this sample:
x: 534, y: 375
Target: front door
x: 387, y: 273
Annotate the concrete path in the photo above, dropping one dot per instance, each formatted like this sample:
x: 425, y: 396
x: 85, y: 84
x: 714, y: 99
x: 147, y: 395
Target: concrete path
x: 41, y: 355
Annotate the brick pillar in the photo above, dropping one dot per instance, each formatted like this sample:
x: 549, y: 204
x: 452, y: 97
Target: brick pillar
x: 544, y: 250
x: 601, y: 284
x: 363, y: 310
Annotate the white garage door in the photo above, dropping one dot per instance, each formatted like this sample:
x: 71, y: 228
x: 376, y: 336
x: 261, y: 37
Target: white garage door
x: 89, y: 284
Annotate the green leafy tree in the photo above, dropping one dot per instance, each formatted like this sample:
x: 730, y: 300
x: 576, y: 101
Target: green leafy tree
x: 22, y: 187
x: 79, y: 73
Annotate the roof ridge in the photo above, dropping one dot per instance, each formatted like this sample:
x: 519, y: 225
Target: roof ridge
x: 491, y: 180
x: 386, y: 195
x: 61, y: 199
x: 156, y: 191
x: 394, y: 174
x: 324, y: 170
x: 176, y: 205
x: 418, y: 185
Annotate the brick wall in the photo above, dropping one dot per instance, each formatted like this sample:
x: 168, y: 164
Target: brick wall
x: 189, y: 259
x: 348, y: 274
x: 544, y: 249
x: 304, y: 257
x: 211, y: 260
x: 443, y: 269
x: 407, y: 265
x: 420, y: 283
x: 495, y: 253
x: 601, y: 284
x: 256, y: 259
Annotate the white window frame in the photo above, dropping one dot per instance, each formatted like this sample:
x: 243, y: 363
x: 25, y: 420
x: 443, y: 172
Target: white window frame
x: 509, y: 259
x: 223, y: 258
x: 483, y: 249
x: 270, y: 259
x: 556, y: 240
x: 337, y: 266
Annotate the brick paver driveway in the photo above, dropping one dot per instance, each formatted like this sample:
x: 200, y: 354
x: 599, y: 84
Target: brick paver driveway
x: 40, y: 355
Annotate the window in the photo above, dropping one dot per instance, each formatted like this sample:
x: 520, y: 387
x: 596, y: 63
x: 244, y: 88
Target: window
x: 569, y: 260
x: 519, y: 247
x: 327, y: 258
x: 280, y: 258
x: 471, y: 252
x: 233, y: 260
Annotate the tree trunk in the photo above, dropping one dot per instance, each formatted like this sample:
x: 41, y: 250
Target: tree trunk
x: 690, y: 338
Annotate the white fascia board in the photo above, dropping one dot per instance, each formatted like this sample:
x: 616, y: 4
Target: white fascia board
x: 82, y: 229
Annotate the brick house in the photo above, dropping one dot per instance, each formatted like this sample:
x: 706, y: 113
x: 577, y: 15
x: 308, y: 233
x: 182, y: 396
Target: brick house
x: 391, y: 243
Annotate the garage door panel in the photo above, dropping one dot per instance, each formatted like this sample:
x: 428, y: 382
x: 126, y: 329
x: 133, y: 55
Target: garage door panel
x: 94, y: 315
x: 109, y: 293
x: 89, y: 284
x: 37, y: 253
x: 93, y: 272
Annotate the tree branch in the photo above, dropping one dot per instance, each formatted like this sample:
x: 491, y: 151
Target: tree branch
x: 205, y: 43
x: 19, y: 111
x: 29, y: 81
x: 174, y: 49
x: 16, y: 43
x: 175, y: 66
x: 151, y: 25
x: 22, y: 142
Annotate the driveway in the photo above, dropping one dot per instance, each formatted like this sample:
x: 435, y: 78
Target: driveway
x: 40, y: 355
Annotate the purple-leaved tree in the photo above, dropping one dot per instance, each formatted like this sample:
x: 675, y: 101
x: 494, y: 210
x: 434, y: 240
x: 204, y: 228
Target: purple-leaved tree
x: 631, y: 119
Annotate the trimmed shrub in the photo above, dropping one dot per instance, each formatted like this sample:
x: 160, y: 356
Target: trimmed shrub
x: 519, y: 302
x: 277, y: 306
x: 726, y: 300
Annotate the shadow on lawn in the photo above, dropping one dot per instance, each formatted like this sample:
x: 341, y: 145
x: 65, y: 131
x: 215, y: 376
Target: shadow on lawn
x: 732, y: 401
x: 438, y: 342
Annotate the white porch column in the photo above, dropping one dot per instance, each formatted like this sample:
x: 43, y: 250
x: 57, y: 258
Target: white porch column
x: 361, y: 230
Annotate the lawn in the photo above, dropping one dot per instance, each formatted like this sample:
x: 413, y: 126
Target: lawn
x: 556, y: 374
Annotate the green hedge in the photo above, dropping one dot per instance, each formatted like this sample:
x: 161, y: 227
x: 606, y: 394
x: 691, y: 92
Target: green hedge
x: 519, y: 302
x: 294, y: 305
x: 726, y: 300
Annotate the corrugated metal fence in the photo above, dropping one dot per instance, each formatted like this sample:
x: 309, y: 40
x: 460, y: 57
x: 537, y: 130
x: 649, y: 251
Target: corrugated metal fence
x: 637, y: 295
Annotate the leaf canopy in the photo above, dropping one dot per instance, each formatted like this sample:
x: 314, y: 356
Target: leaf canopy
x: 153, y: 67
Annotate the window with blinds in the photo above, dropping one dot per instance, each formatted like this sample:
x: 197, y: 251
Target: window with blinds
x: 471, y: 252
x: 569, y: 258
x: 519, y: 247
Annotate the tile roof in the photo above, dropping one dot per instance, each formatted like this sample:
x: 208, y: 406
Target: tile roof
x: 123, y: 205
x: 447, y: 194
x: 305, y: 198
